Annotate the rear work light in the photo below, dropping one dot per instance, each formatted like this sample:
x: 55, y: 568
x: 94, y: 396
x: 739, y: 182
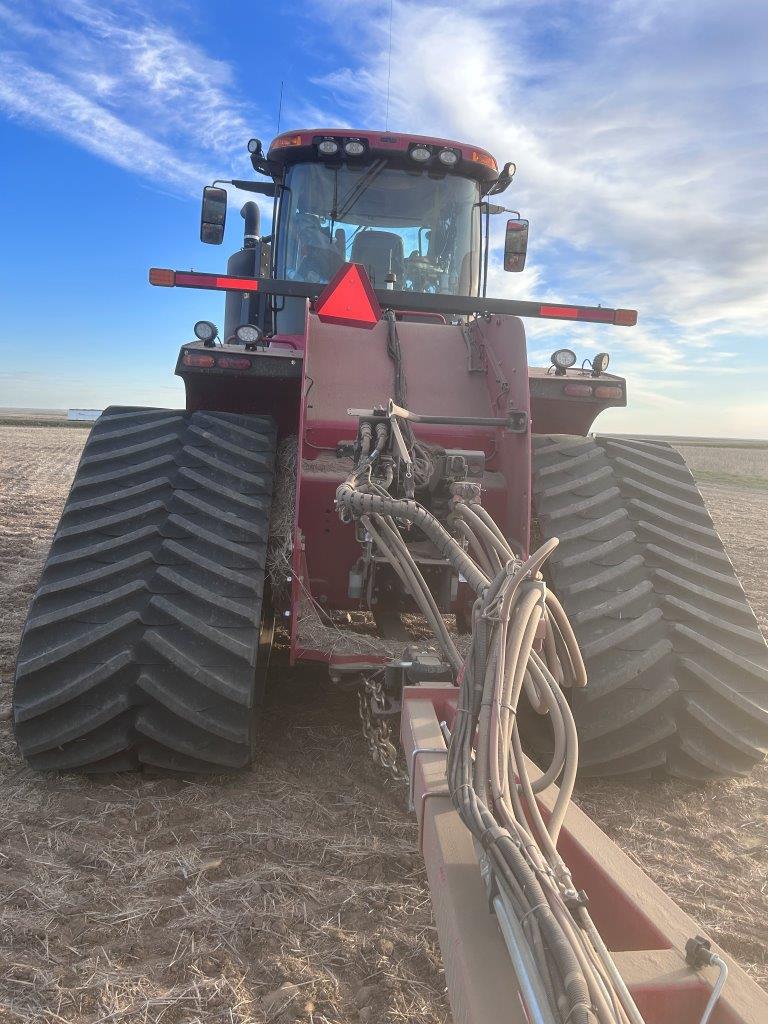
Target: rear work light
x: 421, y: 154
x: 206, y: 331
x: 578, y: 390
x: 607, y: 391
x: 198, y: 360
x: 562, y: 359
x: 234, y: 363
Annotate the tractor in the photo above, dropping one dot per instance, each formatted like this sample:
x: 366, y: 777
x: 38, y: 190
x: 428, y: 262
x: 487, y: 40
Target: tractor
x: 148, y: 637
x: 369, y: 474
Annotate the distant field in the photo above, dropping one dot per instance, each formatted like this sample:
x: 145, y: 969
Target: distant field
x: 741, y: 467
x: 703, y: 442
x: 39, y: 418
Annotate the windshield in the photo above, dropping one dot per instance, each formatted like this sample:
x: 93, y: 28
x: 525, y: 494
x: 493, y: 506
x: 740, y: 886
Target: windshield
x: 415, y: 232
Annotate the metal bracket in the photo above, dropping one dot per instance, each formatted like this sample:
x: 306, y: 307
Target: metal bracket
x: 424, y: 797
x: 416, y: 752
x: 402, y: 448
x: 475, y: 352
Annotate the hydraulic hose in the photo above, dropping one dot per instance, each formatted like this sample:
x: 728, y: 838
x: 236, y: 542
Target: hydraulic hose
x: 566, y: 973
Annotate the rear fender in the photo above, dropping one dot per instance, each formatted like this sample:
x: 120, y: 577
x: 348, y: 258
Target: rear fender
x: 269, y: 386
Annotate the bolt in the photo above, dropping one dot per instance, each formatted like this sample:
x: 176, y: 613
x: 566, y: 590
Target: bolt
x: 287, y: 614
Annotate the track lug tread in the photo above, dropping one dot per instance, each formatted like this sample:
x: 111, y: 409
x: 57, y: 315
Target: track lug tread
x: 689, y: 669
x: 140, y: 646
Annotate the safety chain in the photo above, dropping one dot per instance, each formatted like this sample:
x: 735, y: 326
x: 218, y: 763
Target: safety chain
x: 377, y: 730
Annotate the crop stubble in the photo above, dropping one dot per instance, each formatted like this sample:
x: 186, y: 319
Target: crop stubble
x: 144, y: 899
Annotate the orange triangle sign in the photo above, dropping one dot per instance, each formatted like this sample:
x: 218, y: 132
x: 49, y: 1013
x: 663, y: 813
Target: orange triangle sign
x: 349, y: 299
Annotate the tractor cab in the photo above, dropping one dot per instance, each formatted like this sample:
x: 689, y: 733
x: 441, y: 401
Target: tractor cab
x: 413, y: 210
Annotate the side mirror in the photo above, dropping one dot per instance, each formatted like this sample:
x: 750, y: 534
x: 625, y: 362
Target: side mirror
x: 213, y: 215
x: 515, y: 245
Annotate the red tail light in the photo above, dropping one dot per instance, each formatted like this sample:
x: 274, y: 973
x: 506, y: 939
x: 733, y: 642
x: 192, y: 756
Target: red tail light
x: 190, y: 279
x: 234, y: 363
x: 607, y: 391
x: 591, y: 314
x: 217, y: 281
x: 578, y: 390
x: 198, y: 359
x: 598, y: 316
x: 559, y: 312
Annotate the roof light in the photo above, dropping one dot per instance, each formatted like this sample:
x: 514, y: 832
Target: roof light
x: 254, y: 145
x: 286, y: 140
x: 354, y: 147
x: 625, y: 317
x: 248, y: 334
x: 205, y: 331
x: 600, y: 363
x: 349, y: 299
x: 328, y: 147
x: 562, y: 358
x: 198, y: 360
x: 234, y: 363
x: 449, y: 157
x: 421, y: 154
x: 485, y: 159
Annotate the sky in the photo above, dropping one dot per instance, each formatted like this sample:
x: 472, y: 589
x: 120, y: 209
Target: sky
x: 639, y: 129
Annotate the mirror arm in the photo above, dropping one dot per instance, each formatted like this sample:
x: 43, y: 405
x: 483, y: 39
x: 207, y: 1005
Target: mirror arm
x: 264, y: 188
x: 263, y: 166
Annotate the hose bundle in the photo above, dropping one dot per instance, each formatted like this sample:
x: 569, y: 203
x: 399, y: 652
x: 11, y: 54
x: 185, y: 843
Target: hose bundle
x: 565, y: 972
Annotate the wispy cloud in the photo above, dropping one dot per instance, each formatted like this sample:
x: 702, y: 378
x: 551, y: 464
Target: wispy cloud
x: 43, y: 99
x: 124, y: 86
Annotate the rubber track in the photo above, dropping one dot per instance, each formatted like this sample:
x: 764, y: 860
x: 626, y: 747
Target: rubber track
x: 678, y: 668
x: 140, y: 646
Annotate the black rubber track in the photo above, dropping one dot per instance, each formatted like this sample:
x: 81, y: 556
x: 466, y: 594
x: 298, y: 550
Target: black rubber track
x: 678, y: 668
x: 140, y: 646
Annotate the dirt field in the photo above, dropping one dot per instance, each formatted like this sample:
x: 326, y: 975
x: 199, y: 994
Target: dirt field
x: 128, y: 900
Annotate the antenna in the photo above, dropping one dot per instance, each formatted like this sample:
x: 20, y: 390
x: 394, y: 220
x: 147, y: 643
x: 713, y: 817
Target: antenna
x: 280, y: 107
x: 389, y: 67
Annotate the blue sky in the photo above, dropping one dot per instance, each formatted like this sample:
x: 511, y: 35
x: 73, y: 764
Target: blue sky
x: 639, y: 129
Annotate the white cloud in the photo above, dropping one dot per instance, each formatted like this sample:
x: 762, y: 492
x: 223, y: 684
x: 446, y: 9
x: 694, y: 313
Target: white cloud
x: 44, y: 100
x: 125, y: 87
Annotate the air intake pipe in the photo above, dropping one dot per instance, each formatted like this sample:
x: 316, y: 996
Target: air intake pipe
x: 238, y: 308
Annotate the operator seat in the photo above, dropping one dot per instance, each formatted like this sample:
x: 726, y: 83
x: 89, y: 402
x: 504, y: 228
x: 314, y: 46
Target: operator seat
x: 377, y: 251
